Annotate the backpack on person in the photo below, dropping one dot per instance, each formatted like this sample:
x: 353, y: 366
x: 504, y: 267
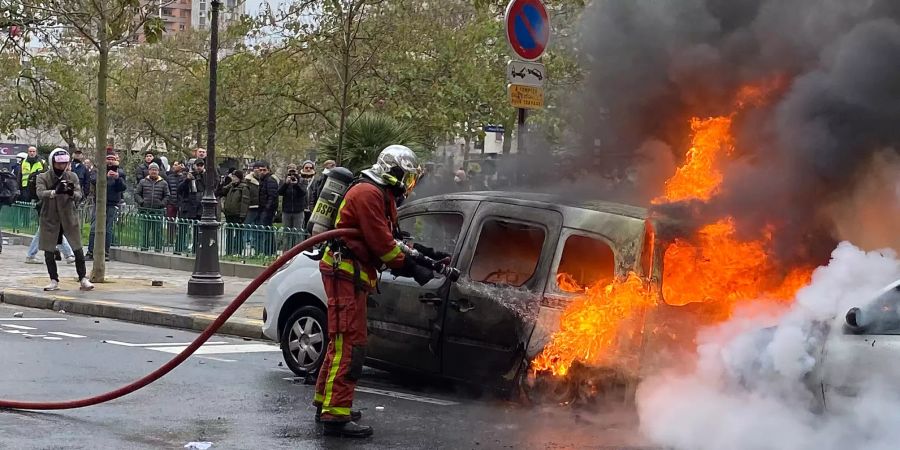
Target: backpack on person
x: 233, y: 199
x: 9, y: 187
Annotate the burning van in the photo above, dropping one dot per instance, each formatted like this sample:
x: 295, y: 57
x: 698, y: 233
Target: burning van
x: 546, y: 283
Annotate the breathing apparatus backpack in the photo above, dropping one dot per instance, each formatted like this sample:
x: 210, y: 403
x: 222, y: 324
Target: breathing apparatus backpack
x: 324, y: 213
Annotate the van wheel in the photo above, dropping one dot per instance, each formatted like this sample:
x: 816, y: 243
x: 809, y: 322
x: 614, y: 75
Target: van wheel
x: 304, y: 339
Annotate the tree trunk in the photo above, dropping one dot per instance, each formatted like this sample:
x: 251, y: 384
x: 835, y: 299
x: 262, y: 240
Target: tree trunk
x: 345, y: 85
x: 98, y: 272
x: 69, y: 136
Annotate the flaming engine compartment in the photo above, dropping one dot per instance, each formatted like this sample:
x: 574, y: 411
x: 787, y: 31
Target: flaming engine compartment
x: 699, y: 268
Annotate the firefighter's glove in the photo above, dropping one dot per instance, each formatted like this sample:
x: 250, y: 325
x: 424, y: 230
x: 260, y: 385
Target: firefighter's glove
x: 422, y: 275
x: 432, y: 253
x: 414, y: 270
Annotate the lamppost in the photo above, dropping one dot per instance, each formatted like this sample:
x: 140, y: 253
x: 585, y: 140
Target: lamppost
x: 207, y: 279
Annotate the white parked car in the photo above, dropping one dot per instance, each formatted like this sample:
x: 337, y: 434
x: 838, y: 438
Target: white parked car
x: 862, y: 346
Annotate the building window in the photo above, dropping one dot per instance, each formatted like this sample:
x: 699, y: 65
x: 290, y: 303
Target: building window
x: 203, y: 21
x: 166, y: 11
x: 181, y: 27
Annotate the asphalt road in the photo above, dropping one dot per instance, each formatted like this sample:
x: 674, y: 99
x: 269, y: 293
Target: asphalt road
x: 237, y: 396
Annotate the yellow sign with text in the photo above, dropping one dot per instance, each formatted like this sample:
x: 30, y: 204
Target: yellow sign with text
x: 526, y: 97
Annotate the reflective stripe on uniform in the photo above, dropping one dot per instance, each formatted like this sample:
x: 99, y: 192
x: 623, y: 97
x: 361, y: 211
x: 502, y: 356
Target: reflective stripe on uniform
x: 332, y: 371
x: 337, y: 218
x: 346, y: 266
x: 391, y: 255
x: 336, y: 410
x: 319, y: 398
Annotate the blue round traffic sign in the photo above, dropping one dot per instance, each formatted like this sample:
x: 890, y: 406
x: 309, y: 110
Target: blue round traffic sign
x: 527, y: 28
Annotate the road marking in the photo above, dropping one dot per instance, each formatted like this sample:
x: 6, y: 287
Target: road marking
x: 14, y: 331
x: 222, y: 349
x: 405, y: 396
x: 60, y: 333
x: 217, y: 359
x: 159, y: 344
x: 33, y: 335
x: 18, y: 327
x: 394, y: 394
x: 23, y: 319
x: 51, y: 338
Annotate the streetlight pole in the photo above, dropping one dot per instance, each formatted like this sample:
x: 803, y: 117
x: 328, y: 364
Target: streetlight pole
x: 207, y: 279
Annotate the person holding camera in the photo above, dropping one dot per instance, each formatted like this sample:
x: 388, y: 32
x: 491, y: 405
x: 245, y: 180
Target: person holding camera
x: 115, y: 187
x: 190, y: 194
x: 293, y: 203
x: 59, y: 191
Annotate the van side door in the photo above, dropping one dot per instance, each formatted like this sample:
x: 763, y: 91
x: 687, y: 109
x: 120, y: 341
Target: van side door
x: 491, y: 311
x: 405, y: 319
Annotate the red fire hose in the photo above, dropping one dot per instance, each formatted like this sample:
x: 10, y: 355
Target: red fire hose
x: 207, y: 333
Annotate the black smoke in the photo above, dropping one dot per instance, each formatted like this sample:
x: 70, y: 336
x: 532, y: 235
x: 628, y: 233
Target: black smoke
x: 654, y: 64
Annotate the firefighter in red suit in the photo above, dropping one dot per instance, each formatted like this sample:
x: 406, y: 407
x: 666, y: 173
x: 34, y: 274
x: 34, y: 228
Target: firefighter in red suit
x: 349, y: 272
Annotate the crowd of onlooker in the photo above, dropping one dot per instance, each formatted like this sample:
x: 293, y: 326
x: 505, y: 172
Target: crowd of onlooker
x: 174, y: 189
x: 254, y: 195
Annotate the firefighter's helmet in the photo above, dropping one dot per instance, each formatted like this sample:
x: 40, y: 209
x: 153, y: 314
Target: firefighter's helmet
x: 397, y: 167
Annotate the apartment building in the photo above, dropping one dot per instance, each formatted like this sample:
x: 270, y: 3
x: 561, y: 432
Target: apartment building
x: 176, y: 14
x: 200, y: 12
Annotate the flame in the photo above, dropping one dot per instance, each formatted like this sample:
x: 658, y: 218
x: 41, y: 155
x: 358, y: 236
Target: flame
x: 590, y: 327
x: 699, y: 177
x: 714, y: 266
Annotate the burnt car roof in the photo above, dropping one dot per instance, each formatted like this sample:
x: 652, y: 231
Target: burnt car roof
x: 523, y: 198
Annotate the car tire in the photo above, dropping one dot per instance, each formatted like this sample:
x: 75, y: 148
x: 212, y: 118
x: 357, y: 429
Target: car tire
x: 304, y: 339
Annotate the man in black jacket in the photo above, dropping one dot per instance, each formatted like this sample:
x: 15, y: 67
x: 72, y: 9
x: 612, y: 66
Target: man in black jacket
x: 293, y: 204
x: 264, y: 212
x: 190, y: 192
x: 144, y: 168
x: 268, y: 196
x: 293, y: 199
x: 115, y: 186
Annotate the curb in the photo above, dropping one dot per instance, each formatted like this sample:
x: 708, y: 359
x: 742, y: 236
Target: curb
x: 146, y: 315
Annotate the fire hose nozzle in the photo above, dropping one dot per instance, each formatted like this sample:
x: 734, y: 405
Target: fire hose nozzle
x: 451, y: 273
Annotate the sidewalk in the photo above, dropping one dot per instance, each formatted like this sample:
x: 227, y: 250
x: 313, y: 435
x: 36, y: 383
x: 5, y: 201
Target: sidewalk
x: 128, y: 295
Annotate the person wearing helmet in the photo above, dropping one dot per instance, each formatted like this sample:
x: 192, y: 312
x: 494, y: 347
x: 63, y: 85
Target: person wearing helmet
x: 59, y: 191
x: 349, y: 269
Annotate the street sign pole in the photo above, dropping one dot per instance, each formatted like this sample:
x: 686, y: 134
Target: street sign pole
x: 521, y: 143
x: 527, y: 26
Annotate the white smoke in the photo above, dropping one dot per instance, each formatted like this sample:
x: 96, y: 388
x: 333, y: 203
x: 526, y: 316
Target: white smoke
x: 747, y: 390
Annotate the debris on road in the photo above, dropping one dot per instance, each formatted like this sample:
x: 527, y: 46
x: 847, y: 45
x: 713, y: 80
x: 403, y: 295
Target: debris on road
x: 198, y: 445
x: 62, y: 311
x: 19, y: 314
x: 379, y: 408
x: 156, y: 283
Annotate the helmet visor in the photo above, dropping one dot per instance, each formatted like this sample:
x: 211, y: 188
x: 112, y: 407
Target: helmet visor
x: 410, y: 180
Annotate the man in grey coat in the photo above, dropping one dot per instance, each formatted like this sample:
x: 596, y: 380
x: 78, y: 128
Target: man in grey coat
x: 59, y: 191
x: 151, y: 196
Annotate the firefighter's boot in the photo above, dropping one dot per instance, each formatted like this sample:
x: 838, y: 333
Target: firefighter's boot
x: 355, y: 416
x: 347, y: 429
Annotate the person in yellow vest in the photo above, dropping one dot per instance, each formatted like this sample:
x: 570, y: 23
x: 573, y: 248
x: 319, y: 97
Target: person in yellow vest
x: 31, y: 164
